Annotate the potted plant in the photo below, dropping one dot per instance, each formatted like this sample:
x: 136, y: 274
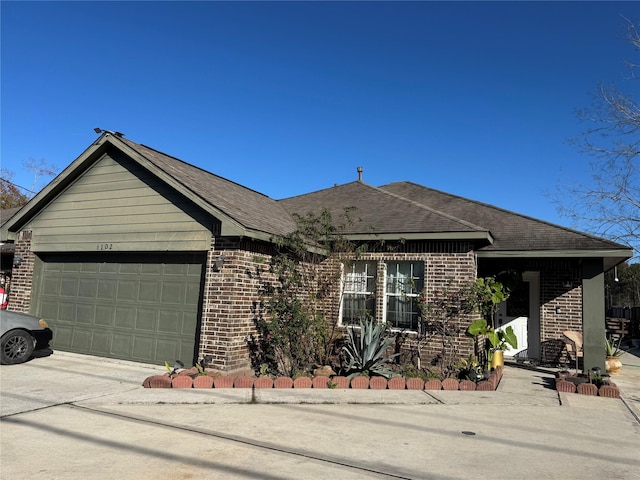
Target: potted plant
x: 472, y: 369
x: 497, y: 341
x: 485, y: 296
x: 613, y: 362
x: 500, y: 341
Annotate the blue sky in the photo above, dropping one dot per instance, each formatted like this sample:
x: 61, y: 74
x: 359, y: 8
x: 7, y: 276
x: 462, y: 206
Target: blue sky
x: 473, y: 98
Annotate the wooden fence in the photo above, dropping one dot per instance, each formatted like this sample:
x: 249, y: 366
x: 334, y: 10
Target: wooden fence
x: 623, y: 321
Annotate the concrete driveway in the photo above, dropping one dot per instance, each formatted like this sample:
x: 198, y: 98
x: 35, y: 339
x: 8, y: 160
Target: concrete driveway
x: 74, y: 416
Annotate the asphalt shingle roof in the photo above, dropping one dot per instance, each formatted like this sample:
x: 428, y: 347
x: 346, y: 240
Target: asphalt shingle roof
x: 399, y: 209
x: 511, y: 231
x: 251, y: 209
x: 377, y: 211
x: 406, y: 207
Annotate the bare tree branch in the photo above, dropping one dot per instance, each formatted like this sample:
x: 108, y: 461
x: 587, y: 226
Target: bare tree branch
x: 610, y: 206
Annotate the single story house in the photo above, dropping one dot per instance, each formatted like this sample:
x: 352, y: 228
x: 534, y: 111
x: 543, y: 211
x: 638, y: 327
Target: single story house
x: 134, y: 254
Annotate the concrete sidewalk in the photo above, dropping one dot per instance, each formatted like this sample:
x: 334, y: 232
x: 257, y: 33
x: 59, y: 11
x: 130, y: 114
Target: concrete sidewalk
x: 629, y: 380
x: 72, y: 416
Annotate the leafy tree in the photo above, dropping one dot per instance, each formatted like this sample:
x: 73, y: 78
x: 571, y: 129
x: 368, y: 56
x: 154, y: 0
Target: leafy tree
x: 611, y: 206
x: 12, y: 195
x: 442, y: 318
x: 299, y: 326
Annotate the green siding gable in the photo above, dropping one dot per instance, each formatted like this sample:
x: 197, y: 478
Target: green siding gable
x: 116, y: 205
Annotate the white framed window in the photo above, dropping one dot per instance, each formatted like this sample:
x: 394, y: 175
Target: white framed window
x: 358, y: 294
x: 403, y: 283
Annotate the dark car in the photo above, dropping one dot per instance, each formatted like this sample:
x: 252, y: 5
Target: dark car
x: 20, y: 335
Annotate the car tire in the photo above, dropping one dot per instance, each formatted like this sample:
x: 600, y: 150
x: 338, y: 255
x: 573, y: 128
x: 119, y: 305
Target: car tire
x: 16, y: 347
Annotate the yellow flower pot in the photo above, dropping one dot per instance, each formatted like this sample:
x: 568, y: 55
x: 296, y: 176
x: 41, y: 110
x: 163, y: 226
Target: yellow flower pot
x: 497, y: 360
x: 613, y: 365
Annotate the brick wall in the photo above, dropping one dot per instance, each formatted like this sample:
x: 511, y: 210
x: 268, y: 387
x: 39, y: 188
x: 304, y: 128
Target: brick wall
x: 231, y: 301
x: 22, y: 275
x: 447, y: 268
x: 232, y: 298
x: 560, y: 309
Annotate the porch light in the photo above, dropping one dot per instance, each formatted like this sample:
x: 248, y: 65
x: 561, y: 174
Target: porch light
x: 218, y: 263
x: 17, y: 260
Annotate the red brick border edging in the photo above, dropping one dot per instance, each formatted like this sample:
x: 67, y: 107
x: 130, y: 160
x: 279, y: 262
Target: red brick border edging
x: 360, y: 382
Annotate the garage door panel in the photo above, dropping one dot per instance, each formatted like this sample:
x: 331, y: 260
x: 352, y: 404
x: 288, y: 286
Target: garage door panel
x: 50, y: 310
x: 127, y: 290
x: 51, y: 287
x: 81, y: 339
x: 168, y: 350
x: 68, y: 287
x: 68, y: 267
x: 85, y: 314
x: 109, y: 268
x: 107, y: 289
x: 151, y: 269
x: 101, y: 343
x: 122, y: 346
x: 145, y: 320
x: 192, y: 294
x: 134, y: 310
x: 143, y: 348
x: 88, y: 267
x: 173, y: 293
x: 176, y: 269
x: 149, y: 292
x: 63, y: 337
x: 88, y: 288
x: 170, y: 322
x: 104, y: 316
x: 129, y: 269
x: 66, y: 312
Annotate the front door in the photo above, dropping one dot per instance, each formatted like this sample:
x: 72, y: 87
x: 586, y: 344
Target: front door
x: 521, y: 312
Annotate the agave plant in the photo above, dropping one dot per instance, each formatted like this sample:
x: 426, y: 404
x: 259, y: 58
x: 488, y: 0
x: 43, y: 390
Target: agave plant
x: 612, y: 349
x: 366, y: 349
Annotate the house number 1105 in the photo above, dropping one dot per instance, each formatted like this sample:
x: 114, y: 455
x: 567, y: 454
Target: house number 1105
x: 105, y: 246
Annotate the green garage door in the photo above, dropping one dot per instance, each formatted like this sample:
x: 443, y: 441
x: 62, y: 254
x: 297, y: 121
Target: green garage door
x: 133, y: 308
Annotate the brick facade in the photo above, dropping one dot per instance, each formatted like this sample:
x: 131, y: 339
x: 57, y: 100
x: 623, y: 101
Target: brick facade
x: 445, y: 269
x: 231, y: 302
x: 231, y: 297
x: 560, y: 309
x: 22, y: 275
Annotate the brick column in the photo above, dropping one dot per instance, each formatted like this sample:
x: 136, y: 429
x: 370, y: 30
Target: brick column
x: 22, y: 275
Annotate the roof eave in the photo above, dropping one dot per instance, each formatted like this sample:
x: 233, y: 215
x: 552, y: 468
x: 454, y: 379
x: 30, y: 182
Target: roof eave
x: 53, y: 188
x: 595, y: 253
x: 470, y: 236
x: 610, y: 257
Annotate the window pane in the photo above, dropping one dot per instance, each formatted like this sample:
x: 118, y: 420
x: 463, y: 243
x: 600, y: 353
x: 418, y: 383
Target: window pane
x: 356, y: 308
x: 404, y: 278
x: 360, y: 277
x: 404, y: 281
x: 358, y: 301
x: 403, y: 312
